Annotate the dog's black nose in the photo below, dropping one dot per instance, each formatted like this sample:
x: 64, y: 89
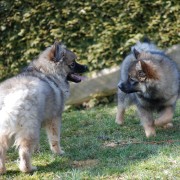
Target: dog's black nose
x: 86, y: 68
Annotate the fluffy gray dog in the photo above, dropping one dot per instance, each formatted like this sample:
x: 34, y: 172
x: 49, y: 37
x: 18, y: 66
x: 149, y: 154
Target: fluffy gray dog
x: 36, y: 98
x: 150, y: 80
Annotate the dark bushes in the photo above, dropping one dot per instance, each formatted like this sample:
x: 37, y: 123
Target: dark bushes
x: 99, y: 31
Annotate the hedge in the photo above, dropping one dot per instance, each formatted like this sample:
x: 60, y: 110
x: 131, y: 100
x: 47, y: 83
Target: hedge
x: 99, y: 31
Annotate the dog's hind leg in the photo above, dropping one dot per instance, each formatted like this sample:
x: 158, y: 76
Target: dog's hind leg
x: 26, y: 146
x: 4, y: 144
x: 165, y: 118
x: 53, y: 132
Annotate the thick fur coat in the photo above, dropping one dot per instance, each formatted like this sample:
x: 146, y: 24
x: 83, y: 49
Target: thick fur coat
x: 36, y: 98
x: 150, y: 80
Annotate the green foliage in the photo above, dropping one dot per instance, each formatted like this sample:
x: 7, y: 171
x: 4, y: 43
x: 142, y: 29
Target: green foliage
x: 99, y: 31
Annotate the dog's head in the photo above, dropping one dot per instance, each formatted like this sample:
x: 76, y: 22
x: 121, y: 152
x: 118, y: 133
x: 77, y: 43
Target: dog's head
x: 64, y: 61
x: 140, y: 72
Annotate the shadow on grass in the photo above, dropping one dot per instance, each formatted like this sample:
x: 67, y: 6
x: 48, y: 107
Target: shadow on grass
x: 116, y: 158
x: 93, y: 135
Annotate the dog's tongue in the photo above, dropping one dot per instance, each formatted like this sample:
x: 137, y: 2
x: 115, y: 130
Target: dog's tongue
x: 75, y: 78
x: 78, y: 77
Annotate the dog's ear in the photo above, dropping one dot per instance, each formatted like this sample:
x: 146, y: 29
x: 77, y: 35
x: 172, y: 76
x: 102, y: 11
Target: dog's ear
x: 139, y: 65
x: 146, y: 70
x: 59, y: 51
x: 136, y: 53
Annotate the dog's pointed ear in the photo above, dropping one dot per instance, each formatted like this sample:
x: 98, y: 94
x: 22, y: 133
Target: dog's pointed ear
x: 139, y: 66
x: 145, y: 70
x: 136, y: 53
x: 59, y: 52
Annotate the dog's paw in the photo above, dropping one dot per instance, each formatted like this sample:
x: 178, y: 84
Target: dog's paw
x: 168, y: 126
x: 25, y: 169
x: 58, y: 151
x: 119, y: 122
x: 165, y: 124
x: 150, y: 132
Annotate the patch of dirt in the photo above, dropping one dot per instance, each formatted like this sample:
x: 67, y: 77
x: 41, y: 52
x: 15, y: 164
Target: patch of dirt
x: 85, y: 163
x: 110, y: 144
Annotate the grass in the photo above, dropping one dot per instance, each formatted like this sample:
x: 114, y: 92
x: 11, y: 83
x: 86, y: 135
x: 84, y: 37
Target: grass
x: 97, y: 148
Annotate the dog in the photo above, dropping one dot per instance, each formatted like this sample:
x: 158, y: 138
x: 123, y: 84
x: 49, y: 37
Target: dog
x: 36, y: 98
x: 149, y: 79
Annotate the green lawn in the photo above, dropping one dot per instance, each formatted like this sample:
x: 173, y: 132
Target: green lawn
x: 97, y: 148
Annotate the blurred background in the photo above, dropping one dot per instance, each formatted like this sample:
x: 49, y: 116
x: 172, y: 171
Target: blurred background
x: 100, y: 32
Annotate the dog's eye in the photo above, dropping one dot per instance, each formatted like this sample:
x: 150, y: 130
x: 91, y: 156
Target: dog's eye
x: 141, y: 74
x: 132, y: 78
x: 72, y: 65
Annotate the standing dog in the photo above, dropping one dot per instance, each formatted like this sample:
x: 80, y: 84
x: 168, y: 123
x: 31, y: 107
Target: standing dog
x: 150, y: 80
x: 34, y: 98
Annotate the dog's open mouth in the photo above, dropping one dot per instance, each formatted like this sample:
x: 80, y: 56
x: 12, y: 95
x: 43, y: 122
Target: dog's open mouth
x: 75, y: 77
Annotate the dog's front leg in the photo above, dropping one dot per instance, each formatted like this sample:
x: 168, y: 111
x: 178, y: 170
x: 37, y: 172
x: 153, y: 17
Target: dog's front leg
x: 147, y: 122
x: 120, y: 115
x: 123, y: 102
x: 53, y: 132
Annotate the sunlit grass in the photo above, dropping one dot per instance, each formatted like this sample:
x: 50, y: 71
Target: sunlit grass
x: 97, y: 148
